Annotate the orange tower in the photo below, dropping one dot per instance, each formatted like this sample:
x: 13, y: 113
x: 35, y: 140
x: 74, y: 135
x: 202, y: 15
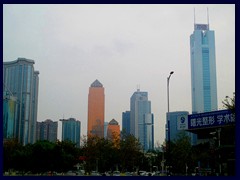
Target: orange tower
x: 113, y: 133
x: 96, y: 109
x: 113, y: 129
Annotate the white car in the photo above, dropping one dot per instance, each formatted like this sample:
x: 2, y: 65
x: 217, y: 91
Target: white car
x: 95, y: 173
x: 142, y: 173
x: 116, y: 173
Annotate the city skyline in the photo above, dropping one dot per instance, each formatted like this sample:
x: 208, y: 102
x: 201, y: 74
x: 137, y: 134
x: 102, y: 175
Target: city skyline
x: 122, y: 46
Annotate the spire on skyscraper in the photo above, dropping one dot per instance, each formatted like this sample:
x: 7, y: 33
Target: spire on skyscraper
x: 113, y: 122
x: 96, y: 83
x: 207, y: 18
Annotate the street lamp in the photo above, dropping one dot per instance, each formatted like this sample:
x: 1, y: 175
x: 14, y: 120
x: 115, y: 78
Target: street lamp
x: 168, y: 79
x: 168, y: 120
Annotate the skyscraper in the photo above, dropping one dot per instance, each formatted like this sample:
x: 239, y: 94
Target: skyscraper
x: 9, y: 115
x: 105, y: 129
x: 203, y: 69
x: 113, y: 132
x: 113, y: 129
x: 47, y: 130
x: 71, y: 130
x: 126, y: 122
x: 20, y: 79
x: 142, y: 125
x: 96, y: 107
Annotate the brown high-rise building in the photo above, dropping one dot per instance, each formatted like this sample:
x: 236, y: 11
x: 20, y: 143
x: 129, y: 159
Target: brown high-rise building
x: 96, y: 109
x: 113, y: 130
x: 113, y: 133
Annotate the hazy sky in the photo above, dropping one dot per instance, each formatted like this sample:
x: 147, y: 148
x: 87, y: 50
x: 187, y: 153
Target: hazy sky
x: 122, y: 46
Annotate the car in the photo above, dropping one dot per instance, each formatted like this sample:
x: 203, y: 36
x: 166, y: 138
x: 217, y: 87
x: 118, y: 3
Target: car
x: 95, y: 173
x: 70, y: 173
x: 128, y: 174
x: 116, y: 173
x: 142, y: 173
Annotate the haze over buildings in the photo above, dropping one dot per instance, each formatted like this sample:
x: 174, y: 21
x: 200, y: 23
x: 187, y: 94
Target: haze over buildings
x: 122, y: 46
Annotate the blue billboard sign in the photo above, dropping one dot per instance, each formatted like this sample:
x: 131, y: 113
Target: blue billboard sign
x: 211, y: 119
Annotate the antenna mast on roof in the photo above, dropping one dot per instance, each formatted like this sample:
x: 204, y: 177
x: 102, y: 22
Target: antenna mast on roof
x: 138, y: 87
x: 207, y: 18
x: 194, y: 15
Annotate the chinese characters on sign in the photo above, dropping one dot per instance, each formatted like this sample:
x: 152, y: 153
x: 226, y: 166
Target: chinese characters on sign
x: 211, y: 119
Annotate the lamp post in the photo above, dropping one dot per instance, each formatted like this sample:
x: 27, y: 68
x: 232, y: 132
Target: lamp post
x: 168, y: 120
x: 168, y: 79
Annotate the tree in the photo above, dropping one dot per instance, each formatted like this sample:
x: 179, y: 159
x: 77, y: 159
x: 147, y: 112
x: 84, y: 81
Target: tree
x: 181, y: 153
x: 43, y: 158
x: 229, y: 103
x: 10, y: 147
x: 203, y: 153
x: 17, y: 156
x: 100, y: 154
x: 116, y: 139
x: 130, y: 152
x: 65, y: 155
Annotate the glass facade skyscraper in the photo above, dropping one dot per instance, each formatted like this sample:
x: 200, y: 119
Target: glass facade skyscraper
x: 9, y: 115
x: 126, y: 122
x: 142, y: 125
x: 21, y: 81
x: 203, y: 69
x: 105, y: 129
x: 71, y: 130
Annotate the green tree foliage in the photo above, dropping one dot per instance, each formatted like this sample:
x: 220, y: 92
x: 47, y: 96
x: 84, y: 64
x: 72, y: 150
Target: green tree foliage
x: 130, y: 152
x: 66, y: 155
x: 40, y: 157
x: 10, y: 148
x: 181, y: 153
x: 99, y: 152
x: 204, y: 153
x: 229, y: 103
x: 42, y: 154
x: 95, y: 154
x: 160, y: 151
